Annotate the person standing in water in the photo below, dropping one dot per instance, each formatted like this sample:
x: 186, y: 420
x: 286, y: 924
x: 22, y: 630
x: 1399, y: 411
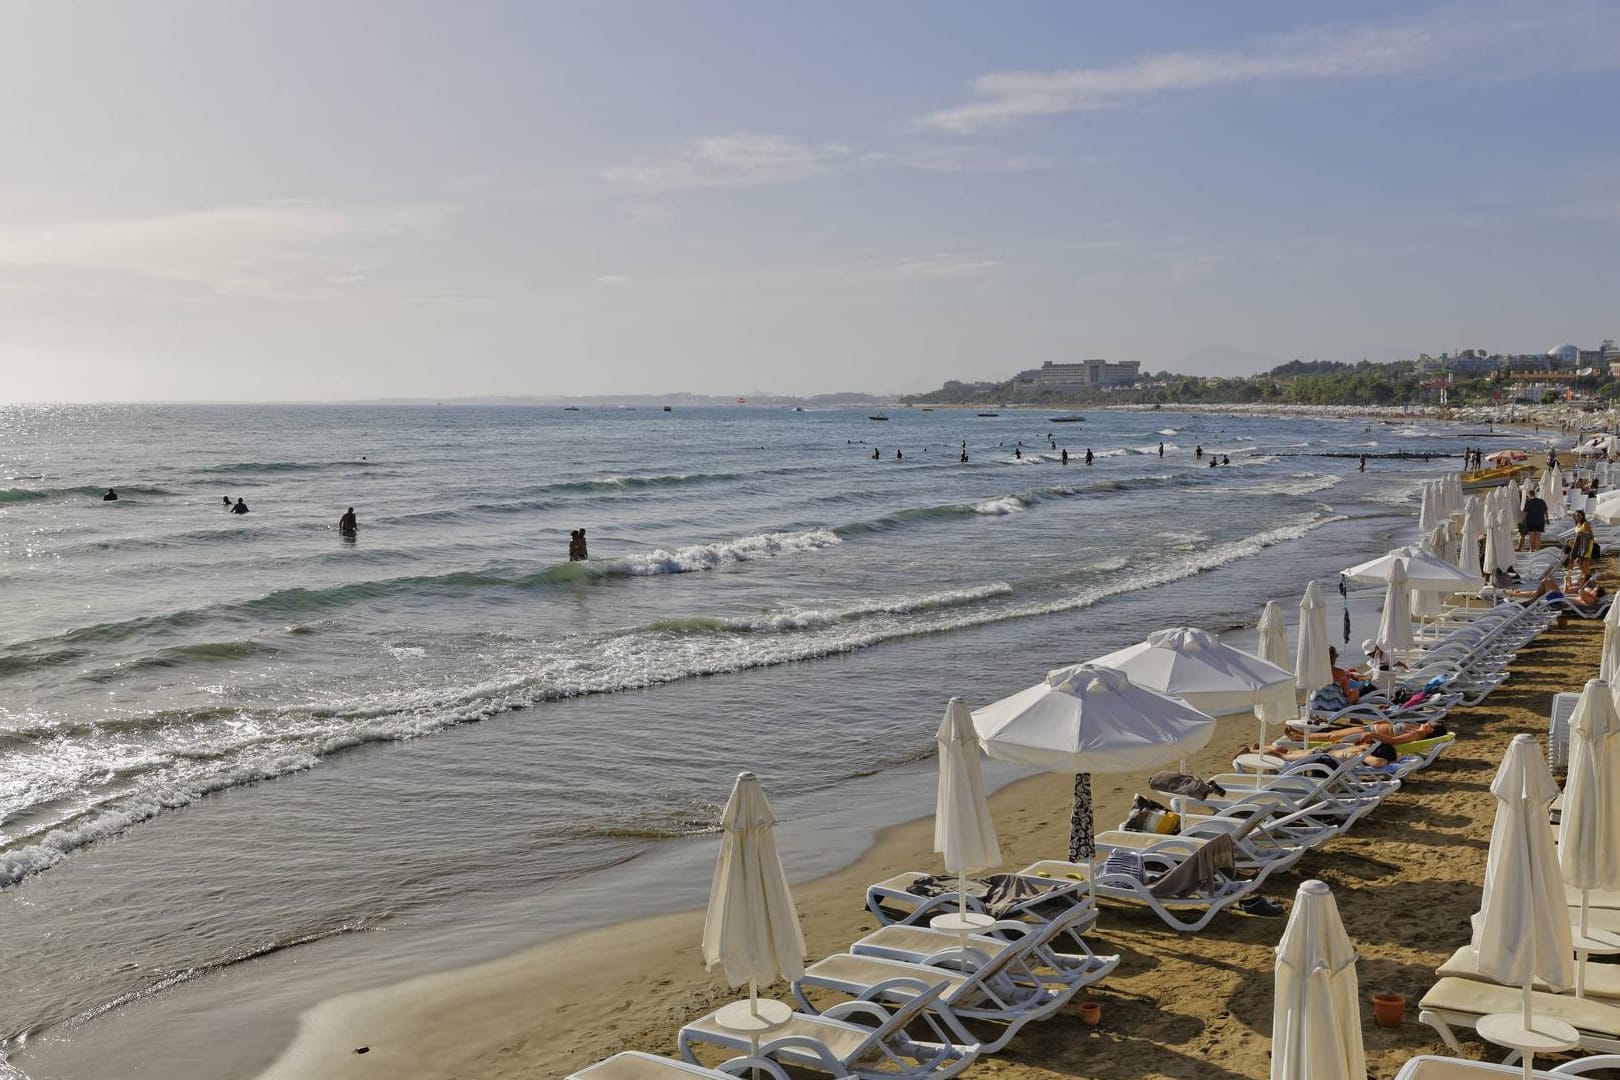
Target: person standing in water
x: 240, y: 507
x: 1065, y: 455
x: 1088, y: 455
x: 576, y: 546
x: 1161, y: 449
x: 227, y: 502
x: 898, y: 456
x: 1363, y: 466
x: 1018, y: 453
x: 875, y: 454
x: 348, y: 525
x: 111, y: 496
x: 1199, y: 452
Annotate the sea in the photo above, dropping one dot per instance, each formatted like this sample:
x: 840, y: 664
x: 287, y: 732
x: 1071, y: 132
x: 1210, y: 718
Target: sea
x: 247, y: 761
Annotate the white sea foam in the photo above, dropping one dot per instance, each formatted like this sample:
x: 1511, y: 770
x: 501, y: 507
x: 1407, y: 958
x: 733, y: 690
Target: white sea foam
x: 1007, y: 504
x: 708, y: 556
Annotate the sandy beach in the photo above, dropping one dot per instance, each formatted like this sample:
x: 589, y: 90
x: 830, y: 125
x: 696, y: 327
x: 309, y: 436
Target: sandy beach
x: 1406, y: 880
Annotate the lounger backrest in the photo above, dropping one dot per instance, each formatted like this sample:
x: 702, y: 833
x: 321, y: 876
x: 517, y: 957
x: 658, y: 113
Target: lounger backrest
x: 1020, y: 951
x: 899, y: 1019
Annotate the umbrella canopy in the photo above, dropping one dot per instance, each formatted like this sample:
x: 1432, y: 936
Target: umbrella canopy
x: 1212, y: 677
x: 1086, y: 719
x: 1507, y: 457
x: 1428, y: 510
x: 1498, y: 554
x: 1521, y: 932
x: 1395, y: 627
x: 1589, y: 838
x: 963, y: 830
x: 1311, y: 668
x: 1473, y: 527
x: 1425, y: 571
x: 1273, y: 635
x: 1316, y: 1017
x: 1553, y: 492
x: 752, y: 928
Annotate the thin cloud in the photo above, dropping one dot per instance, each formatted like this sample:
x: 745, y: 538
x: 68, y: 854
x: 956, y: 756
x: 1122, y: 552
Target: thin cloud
x: 1498, y: 41
x: 953, y: 158
x: 270, y: 249
x: 719, y: 161
x: 947, y: 267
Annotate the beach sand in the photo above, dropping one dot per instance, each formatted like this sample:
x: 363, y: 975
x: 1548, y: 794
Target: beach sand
x: 1406, y: 881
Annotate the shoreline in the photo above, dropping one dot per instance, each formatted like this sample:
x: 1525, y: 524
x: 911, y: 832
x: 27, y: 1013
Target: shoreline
x: 557, y: 1006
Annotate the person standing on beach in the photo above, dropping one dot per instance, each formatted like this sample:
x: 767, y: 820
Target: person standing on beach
x: 1535, y: 520
x: 1580, y: 550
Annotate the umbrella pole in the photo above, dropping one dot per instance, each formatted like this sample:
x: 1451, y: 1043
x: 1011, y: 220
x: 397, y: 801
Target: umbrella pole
x: 1082, y: 835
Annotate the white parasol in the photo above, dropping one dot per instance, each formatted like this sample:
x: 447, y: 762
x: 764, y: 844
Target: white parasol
x: 1316, y: 1015
x: 963, y: 830
x: 1086, y: 719
x: 1589, y: 836
x: 1312, y: 670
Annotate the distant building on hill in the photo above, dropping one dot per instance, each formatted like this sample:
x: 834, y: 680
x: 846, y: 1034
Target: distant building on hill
x: 1087, y: 373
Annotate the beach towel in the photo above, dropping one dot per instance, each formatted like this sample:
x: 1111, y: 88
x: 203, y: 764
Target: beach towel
x: 1200, y: 873
x: 1180, y: 783
x: 1001, y: 894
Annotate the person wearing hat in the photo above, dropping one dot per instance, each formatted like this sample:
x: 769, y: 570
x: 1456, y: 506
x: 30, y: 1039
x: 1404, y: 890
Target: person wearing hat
x: 1377, y: 658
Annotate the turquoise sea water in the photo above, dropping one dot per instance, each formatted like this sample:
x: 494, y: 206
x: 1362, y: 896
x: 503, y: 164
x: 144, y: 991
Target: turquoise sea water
x: 452, y: 714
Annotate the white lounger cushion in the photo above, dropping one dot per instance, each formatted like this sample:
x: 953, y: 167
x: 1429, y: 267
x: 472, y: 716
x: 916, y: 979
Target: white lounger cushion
x: 1602, y: 980
x: 842, y: 1038
x: 1471, y: 998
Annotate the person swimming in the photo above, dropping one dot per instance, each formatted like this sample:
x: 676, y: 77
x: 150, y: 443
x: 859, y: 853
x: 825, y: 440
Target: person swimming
x: 227, y: 502
x: 111, y: 496
x: 240, y: 507
x: 347, y: 524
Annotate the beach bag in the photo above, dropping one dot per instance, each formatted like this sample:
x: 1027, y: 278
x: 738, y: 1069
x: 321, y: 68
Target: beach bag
x: 1150, y: 817
x: 1171, y: 782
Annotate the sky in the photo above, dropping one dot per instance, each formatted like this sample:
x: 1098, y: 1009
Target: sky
x: 297, y: 200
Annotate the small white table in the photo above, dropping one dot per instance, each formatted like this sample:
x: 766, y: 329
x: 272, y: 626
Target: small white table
x: 754, y: 1018
x: 962, y: 923
x: 1547, y: 1037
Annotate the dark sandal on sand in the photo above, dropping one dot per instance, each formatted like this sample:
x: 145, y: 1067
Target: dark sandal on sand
x: 1259, y: 905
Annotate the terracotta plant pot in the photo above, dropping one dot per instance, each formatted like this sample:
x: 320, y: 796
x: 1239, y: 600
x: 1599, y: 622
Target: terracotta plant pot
x: 1388, y: 1009
x: 1090, y: 1013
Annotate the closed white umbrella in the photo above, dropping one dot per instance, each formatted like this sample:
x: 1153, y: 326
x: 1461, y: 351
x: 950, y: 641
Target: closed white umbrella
x: 1589, y: 836
x: 963, y: 830
x: 1395, y: 626
x: 1498, y: 555
x: 1428, y: 512
x: 1274, y: 635
x: 1312, y: 670
x: 1316, y: 1015
x: 1521, y: 932
x: 1553, y: 492
x: 752, y: 928
x: 1609, y: 658
x: 1473, y: 527
x: 1086, y: 719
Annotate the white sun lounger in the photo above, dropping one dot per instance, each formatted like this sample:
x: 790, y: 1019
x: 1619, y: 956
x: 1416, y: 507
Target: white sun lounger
x: 925, y: 945
x: 1435, y: 1067
x: 1189, y: 914
x: 633, y: 1065
x: 1602, y: 980
x: 891, y: 903
x: 862, y: 1039
x: 1263, y: 862
x: 1459, y: 1003
x: 1006, y: 990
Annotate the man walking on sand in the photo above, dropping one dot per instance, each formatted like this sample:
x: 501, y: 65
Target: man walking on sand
x: 1535, y: 520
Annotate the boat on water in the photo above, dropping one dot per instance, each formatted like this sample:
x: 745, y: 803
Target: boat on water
x: 1496, y: 477
x: 570, y: 408
x: 669, y: 408
x: 989, y: 414
x: 798, y: 408
x: 1064, y: 419
x: 927, y: 408
x: 877, y: 416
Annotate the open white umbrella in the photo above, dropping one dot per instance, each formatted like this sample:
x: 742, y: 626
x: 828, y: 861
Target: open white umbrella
x: 1274, y: 635
x: 1395, y: 625
x: 963, y: 830
x: 1312, y: 670
x: 752, y: 928
x: 1589, y: 837
x: 1425, y: 571
x: 1521, y: 932
x: 1316, y: 1016
x: 1211, y: 676
x: 1086, y: 719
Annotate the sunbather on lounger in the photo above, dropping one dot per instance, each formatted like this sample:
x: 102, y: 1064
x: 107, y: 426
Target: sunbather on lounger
x: 1374, y: 752
x: 1394, y: 732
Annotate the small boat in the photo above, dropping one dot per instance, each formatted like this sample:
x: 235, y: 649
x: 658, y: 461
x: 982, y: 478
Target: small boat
x: 877, y: 416
x: 1064, y: 419
x: 570, y: 408
x: 669, y: 408
x: 927, y: 408
x: 798, y: 408
x: 1490, y: 478
x: 989, y: 414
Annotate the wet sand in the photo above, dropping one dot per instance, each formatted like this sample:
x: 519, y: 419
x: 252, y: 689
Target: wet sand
x: 1406, y: 880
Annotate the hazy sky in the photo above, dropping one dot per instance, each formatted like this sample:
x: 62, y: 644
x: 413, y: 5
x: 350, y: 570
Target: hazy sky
x: 341, y: 200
